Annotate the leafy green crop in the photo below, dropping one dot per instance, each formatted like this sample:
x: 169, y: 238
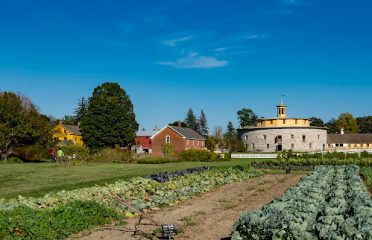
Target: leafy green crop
x: 57, y: 215
x: 26, y: 223
x: 331, y: 203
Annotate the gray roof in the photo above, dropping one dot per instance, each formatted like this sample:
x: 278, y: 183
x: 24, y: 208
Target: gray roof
x: 145, y: 133
x: 72, y: 128
x: 349, y: 138
x: 188, y: 133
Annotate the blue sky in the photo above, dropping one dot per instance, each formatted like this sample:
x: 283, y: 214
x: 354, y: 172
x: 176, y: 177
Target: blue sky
x: 219, y: 56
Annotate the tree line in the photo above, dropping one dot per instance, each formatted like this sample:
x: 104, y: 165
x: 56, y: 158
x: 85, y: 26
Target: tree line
x: 345, y: 121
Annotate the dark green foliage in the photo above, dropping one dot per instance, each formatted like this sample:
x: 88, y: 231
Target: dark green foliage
x: 198, y: 155
x: 203, y: 125
x: 81, y: 110
x: 316, y: 122
x: 69, y: 120
x: 191, y: 121
x: 365, y: 124
x: 27, y: 223
x: 331, y: 125
x: 230, y: 130
x: 247, y: 117
x: 21, y: 124
x: 231, y: 140
x: 110, y: 119
x: 178, y: 123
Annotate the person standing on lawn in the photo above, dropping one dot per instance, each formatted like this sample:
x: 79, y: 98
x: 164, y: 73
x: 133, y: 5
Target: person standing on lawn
x: 60, y: 156
x: 52, y: 153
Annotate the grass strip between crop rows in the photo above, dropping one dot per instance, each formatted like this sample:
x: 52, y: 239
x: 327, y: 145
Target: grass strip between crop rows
x: 331, y: 203
x: 24, y: 216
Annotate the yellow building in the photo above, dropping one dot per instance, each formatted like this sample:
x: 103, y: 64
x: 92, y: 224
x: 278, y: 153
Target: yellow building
x: 67, y: 134
x: 282, y: 120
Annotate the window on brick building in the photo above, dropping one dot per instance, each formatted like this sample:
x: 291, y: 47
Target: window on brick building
x: 267, y: 145
x: 292, y: 145
x: 303, y: 138
x: 292, y: 136
x: 167, y: 139
x: 264, y: 136
x: 310, y: 146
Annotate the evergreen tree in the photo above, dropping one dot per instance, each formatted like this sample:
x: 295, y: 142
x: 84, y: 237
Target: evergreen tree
x: 110, y: 119
x: 230, y: 130
x: 69, y: 120
x: 203, y: 126
x: 191, y: 121
x: 81, y: 110
x: 331, y: 125
x: 316, y: 122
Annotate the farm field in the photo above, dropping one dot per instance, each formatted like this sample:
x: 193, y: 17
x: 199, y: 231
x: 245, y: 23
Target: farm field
x: 330, y: 203
x: 212, y: 214
x: 37, y: 179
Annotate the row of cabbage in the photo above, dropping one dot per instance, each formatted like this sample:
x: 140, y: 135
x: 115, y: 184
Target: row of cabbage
x: 141, y: 193
x: 331, y: 203
x: 166, y: 176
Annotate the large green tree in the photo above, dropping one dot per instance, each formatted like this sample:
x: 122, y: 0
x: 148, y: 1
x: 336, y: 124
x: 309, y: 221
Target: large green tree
x: 316, y: 122
x: 110, y: 119
x: 21, y: 124
x: 191, y: 121
x: 81, y: 110
x: 347, y: 122
x: 331, y: 126
x: 365, y: 124
x: 247, y: 117
x: 203, y: 124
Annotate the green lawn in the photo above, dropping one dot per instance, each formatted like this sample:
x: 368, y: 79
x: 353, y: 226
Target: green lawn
x: 37, y: 179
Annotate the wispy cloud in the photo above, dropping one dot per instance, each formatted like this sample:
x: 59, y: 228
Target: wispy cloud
x: 257, y: 36
x: 173, y: 42
x: 193, y: 60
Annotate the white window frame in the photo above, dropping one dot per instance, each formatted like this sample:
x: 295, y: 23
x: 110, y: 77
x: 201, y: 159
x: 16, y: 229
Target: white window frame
x: 167, y: 139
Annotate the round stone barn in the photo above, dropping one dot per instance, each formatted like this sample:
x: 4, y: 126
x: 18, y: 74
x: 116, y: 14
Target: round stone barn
x: 283, y: 133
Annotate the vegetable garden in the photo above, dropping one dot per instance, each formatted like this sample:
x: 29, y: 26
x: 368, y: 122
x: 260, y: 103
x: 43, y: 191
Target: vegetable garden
x: 331, y: 203
x: 32, y: 218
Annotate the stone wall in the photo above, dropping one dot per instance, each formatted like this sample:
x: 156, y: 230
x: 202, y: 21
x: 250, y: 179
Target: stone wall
x: 292, y: 138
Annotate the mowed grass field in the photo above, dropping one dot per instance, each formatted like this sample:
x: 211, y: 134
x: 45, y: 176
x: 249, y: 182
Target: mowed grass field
x: 37, y: 179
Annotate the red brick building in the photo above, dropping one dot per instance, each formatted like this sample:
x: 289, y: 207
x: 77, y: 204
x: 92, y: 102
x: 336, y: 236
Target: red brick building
x: 143, y: 142
x: 180, y: 138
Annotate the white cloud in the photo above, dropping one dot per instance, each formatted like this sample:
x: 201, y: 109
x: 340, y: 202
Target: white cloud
x: 221, y: 49
x: 257, y: 36
x: 193, y: 60
x: 175, y: 41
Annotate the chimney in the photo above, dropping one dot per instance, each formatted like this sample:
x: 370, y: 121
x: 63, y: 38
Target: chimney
x: 179, y: 124
x: 342, y: 131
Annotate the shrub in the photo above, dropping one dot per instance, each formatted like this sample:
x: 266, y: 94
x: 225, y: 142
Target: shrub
x: 13, y: 160
x: 198, y: 156
x: 111, y: 155
x: 32, y: 152
x: 155, y: 160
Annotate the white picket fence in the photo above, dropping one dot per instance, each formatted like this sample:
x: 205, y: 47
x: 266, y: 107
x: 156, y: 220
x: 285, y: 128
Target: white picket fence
x: 253, y: 155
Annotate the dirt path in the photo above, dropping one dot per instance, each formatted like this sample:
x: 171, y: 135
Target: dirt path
x: 211, y: 215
